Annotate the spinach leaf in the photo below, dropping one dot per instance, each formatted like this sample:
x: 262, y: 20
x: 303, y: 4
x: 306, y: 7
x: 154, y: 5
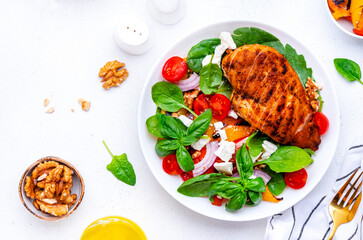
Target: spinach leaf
x: 184, y: 159
x: 224, y: 189
x: 236, y: 202
x: 256, y: 185
x: 298, y: 63
x: 254, y: 143
x: 349, y: 69
x: 199, y: 186
x: 121, y: 168
x: 309, y: 151
x: 225, y: 88
x: 255, y: 198
x: 244, y: 162
x: 153, y: 126
x: 276, y: 185
x: 170, y: 127
x: 198, y: 52
x: 251, y: 35
x: 166, y: 147
x: 210, y: 78
x: 168, y: 96
x: 287, y: 159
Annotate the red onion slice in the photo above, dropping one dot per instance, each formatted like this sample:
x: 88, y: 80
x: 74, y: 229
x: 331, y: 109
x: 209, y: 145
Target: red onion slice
x: 208, y: 159
x: 265, y: 177
x: 190, y: 83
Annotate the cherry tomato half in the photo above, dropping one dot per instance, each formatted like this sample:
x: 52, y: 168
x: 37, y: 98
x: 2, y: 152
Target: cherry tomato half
x: 171, y: 166
x: 296, y: 180
x: 200, y: 104
x: 217, y: 200
x: 186, y: 175
x: 174, y: 69
x: 220, y: 106
x: 322, y: 122
x: 358, y: 32
x: 203, y: 151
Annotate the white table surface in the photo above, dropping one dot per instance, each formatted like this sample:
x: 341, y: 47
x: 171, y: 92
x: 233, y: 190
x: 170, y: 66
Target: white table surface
x: 55, y: 48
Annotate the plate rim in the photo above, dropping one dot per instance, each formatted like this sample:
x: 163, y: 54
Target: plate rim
x: 141, y: 125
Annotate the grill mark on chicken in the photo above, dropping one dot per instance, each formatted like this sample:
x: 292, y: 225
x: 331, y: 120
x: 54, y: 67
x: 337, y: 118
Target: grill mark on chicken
x: 268, y: 94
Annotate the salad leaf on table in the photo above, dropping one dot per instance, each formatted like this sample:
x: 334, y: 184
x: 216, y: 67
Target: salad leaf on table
x: 348, y: 69
x: 199, y: 51
x: 121, y: 168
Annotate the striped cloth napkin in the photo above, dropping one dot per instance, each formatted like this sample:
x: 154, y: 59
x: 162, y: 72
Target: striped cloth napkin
x: 309, y: 219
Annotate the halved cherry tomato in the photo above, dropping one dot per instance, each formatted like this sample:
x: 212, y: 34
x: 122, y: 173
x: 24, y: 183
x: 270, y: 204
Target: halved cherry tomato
x: 201, y: 156
x: 171, y: 166
x: 217, y: 200
x: 358, y: 32
x: 210, y: 170
x: 200, y: 104
x: 220, y: 106
x: 186, y: 175
x: 296, y: 180
x: 174, y: 69
x: 322, y: 121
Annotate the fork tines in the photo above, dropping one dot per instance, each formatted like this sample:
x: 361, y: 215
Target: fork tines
x: 347, y: 195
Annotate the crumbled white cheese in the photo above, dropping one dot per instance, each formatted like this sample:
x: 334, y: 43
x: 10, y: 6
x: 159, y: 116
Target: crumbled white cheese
x: 232, y: 114
x: 227, y: 40
x: 269, y: 148
x: 207, y: 59
x: 218, y: 126
x: 224, y: 167
x: 225, y: 150
x: 185, y: 120
x: 222, y: 133
x: 198, y: 145
x: 218, y: 53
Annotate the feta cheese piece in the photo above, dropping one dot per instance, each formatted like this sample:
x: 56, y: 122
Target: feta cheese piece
x: 257, y: 157
x: 224, y: 167
x: 198, y: 145
x: 222, y: 133
x: 227, y: 40
x: 269, y: 149
x: 225, y: 150
x: 207, y: 59
x: 232, y: 114
x: 218, y: 53
x: 185, y: 120
x: 218, y: 126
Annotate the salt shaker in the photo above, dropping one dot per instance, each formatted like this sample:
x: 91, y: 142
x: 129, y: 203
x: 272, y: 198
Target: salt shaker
x: 167, y: 11
x: 133, y: 36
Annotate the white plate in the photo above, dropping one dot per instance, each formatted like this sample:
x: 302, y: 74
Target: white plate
x: 343, y: 24
x: 170, y: 183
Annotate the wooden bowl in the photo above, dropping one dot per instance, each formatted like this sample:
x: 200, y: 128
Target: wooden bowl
x: 77, y: 188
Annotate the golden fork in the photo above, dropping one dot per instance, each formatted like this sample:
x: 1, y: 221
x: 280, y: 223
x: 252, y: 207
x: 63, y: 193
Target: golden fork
x: 343, y: 211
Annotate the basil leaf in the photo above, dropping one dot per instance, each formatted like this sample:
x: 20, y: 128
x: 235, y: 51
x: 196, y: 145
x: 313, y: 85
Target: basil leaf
x: 244, y: 162
x: 236, y: 202
x: 254, y: 143
x: 251, y: 35
x: 288, y: 159
x: 298, y: 63
x: 200, y: 124
x: 168, y: 96
x: 170, y: 127
x: 348, y: 69
x: 225, y: 88
x: 153, y: 126
x: 210, y: 78
x: 199, y: 186
x: 166, y: 147
x: 184, y: 159
x: 198, y: 52
x: 309, y: 151
x: 276, y: 185
x: 224, y: 189
x: 256, y: 185
x: 255, y: 198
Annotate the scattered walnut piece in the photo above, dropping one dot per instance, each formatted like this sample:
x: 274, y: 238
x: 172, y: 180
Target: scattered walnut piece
x: 84, y: 104
x: 50, y: 186
x: 189, y: 97
x: 50, y: 110
x: 111, y: 74
x: 312, y: 93
x: 46, y: 102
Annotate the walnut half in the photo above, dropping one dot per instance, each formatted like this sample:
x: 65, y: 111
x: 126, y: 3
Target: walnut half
x: 111, y: 74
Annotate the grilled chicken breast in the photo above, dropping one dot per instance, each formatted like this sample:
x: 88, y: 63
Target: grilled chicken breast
x: 268, y: 94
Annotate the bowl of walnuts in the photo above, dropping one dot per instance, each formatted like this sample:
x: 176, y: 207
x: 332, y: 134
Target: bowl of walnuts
x: 51, y: 188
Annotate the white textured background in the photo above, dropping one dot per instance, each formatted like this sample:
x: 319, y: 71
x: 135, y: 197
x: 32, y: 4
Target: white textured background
x: 55, y: 48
